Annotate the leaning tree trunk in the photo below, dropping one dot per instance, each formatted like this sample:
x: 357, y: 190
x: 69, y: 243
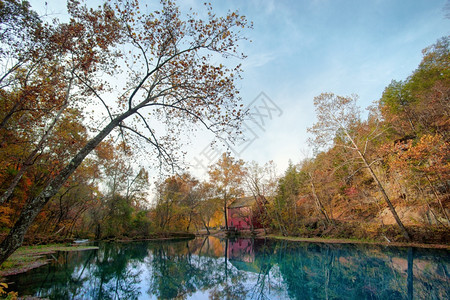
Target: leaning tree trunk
x: 15, y: 237
x: 380, y: 186
x: 385, y: 196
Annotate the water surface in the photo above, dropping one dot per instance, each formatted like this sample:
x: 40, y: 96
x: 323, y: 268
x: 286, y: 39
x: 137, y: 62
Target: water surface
x: 209, y: 268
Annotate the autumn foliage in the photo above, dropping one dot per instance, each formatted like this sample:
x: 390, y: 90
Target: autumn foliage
x: 62, y: 99
x: 399, y: 154
x: 70, y: 133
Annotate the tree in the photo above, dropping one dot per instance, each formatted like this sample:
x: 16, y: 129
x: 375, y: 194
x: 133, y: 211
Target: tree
x: 64, y: 212
x: 396, y: 103
x: 424, y: 167
x: 337, y: 122
x: 168, y: 196
x: 177, y: 200
x: 227, y: 175
x: 416, y: 112
x: 284, y: 206
x: 124, y: 192
x: 261, y: 182
x: 208, y: 205
x: 419, y: 105
x: 171, y: 79
x: 309, y: 184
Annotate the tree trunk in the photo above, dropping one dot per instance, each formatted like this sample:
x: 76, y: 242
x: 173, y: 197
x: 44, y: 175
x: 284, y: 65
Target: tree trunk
x: 282, y: 229
x: 225, y: 200
x: 98, y: 232
x: 380, y: 186
x: 11, y: 112
x: 438, y: 199
x: 385, y: 196
x: 318, y: 202
x: 15, y: 237
x: 225, y: 214
x: 206, y: 226
x: 29, y: 161
x: 189, y: 222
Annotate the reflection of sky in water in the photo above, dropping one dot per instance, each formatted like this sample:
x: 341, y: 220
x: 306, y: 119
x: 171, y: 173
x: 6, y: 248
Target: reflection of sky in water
x: 266, y: 269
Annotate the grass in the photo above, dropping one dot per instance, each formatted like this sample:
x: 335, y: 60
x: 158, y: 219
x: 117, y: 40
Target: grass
x: 30, y: 257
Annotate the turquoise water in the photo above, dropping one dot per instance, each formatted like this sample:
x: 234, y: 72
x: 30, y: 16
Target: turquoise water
x: 209, y: 268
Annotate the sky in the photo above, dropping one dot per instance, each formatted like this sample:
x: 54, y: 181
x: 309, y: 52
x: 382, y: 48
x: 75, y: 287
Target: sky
x: 300, y: 49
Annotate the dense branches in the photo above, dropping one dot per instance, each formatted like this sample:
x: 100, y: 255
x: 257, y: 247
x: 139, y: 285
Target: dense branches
x: 170, y: 80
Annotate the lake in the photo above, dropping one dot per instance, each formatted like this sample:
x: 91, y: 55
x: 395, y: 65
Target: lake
x: 209, y: 268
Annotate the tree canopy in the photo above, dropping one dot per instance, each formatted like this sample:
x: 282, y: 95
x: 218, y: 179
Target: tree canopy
x: 54, y: 71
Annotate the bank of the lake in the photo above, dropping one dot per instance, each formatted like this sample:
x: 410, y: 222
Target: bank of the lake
x: 158, y: 236
x: 437, y: 237
x: 355, y: 241
x: 30, y: 257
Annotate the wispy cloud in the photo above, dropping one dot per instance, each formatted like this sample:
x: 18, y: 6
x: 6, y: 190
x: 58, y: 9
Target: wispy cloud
x: 256, y: 60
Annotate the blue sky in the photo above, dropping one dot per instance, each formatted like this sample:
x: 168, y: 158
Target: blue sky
x: 300, y: 49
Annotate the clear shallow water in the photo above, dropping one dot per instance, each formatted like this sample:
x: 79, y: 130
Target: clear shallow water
x: 209, y: 268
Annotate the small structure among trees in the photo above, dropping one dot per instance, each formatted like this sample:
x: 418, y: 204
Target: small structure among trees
x: 245, y: 213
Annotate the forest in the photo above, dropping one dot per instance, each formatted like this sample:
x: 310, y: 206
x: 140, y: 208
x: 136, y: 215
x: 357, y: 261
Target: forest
x: 69, y: 172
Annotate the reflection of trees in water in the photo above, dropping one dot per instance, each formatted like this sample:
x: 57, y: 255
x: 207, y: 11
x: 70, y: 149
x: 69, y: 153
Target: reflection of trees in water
x: 170, y: 271
x: 107, y: 273
x: 271, y: 269
x: 327, y: 271
x: 314, y: 271
x: 231, y: 284
x: 264, y: 284
x: 344, y: 271
x: 115, y: 275
x: 63, y: 278
x: 57, y: 280
x: 179, y: 271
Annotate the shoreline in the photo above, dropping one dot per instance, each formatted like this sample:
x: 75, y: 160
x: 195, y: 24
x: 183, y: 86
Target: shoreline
x: 27, y: 258
x: 332, y: 240
x: 351, y: 241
